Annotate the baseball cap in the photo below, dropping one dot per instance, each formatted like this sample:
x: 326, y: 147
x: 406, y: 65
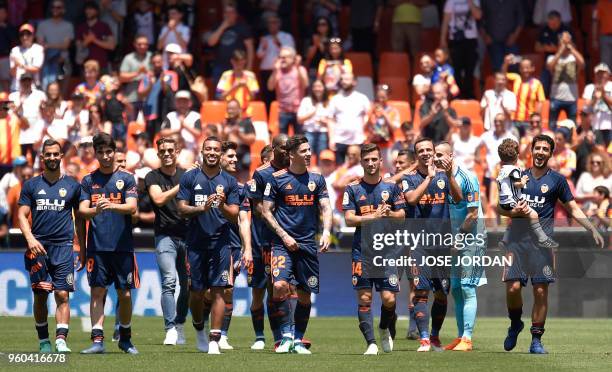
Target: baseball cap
x: 327, y: 155
x: 173, y: 48
x: 26, y: 75
x: 26, y: 27
x: 602, y: 67
x: 85, y: 141
x: 20, y: 161
x: 182, y: 94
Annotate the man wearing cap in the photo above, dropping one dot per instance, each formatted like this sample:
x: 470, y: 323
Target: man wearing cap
x: 28, y: 56
x: 9, y: 135
x: 598, y: 101
x: 95, y: 36
x: 183, y: 121
x: 134, y: 68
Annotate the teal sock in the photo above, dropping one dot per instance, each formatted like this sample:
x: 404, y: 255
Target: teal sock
x: 469, y: 310
x: 459, y: 307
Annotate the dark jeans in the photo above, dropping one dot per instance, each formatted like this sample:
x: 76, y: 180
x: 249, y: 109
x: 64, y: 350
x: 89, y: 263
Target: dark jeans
x: 497, y: 52
x: 289, y: 118
x: 119, y: 131
x: 341, y: 149
x: 318, y: 142
x: 268, y: 96
x: 364, y: 40
x: 570, y: 108
x: 464, y: 55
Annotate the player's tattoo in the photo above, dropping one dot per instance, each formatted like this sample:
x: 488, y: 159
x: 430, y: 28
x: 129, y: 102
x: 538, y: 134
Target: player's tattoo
x: 187, y: 211
x: 267, y: 207
x: 326, y: 212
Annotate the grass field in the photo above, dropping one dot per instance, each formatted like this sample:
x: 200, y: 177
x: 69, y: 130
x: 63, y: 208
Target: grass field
x: 574, y: 344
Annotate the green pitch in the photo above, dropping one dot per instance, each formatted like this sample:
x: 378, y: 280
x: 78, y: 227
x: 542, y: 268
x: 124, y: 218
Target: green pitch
x: 574, y: 344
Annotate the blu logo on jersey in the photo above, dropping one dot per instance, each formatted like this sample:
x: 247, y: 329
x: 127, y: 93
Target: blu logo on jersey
x: 50, y: 205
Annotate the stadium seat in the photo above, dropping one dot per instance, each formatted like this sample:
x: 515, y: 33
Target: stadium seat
x: 471, y: 109
x: 399, y: 88
x: 273, y: 126
x: 362, y: 63
x: 394, y: 65
x: 133, y: 128
x: 258, y: 111
x: 416, y: 121
x: 365, y: 86
x: 213, y: 112
x: 403, y: 108
x: 256, y: 148
x: 526, y: 41
x: 545, y: 114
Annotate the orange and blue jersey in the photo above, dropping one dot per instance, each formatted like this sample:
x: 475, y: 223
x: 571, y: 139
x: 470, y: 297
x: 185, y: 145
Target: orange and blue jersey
x: 261, y: 233
x: 528, y: 93
x: 109, y: 231
x: 245, y: 206
x: 365, y: 198
x: 296, y: 198
x: 433, y: 205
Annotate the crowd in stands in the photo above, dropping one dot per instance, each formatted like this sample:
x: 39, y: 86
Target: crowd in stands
x: 343, y: 72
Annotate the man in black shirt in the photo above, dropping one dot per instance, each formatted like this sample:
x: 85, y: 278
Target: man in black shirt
x: 437, y: 117
x: 170, y: 230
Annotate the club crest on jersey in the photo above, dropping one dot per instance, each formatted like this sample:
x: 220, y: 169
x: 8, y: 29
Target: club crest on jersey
x: 384, y: 195
x: 354, y: 280
x: 416, y: 281
x: 547, y: 271
x: 275, y: 272
x: 253, y: 185
x: 130, y: 278
x: 393, y: 280
x: 404, y: 185
x: 120, y: 184
x: 313, y: 281
x: 225, y: 275
x: 544, y: 188
x: 441, y: 184
x: 70, y: 279
x: 312, y: 186
x: 345, y: 198
x: 62, y: 192
x: 219, y: 189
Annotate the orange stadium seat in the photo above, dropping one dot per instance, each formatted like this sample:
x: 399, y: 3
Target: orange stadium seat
x: 403, y: 108
x: 213, y: 112
x: 399, y: 88
x: 133, y: 128
x: 256, y: 148
x: 471, y: 109
x: 545, y: 114
x: 273, y: 126
x: 258, y: 111
x: 416, y: 121
x: 362, y: 63
x: 394, y: 64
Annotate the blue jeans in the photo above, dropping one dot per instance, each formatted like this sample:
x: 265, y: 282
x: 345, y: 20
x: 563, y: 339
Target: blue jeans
x: 171, y: 259
x: 317, y: 141
x: 570, y: 108
x: 341, y: 149
x: 50, y: 72
x: 286, y: 118
x: 497, y: 52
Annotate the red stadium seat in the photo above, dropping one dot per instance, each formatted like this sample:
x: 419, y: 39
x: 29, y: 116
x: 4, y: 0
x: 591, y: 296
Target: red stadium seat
x: 471, y: 109
x: 213, y: 112
x: 399, y: 88
x: 394, y: 65
x: 273, y: 126
x: 403, y: 108
x: 362, y: 63
x: 256, y: 148
x: 430, y: 39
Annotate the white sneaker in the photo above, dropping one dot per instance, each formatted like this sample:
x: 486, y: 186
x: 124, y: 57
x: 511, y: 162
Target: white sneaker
x: 258, y: 345
x: 285, y: 346
x: 171, y: 336
x: 224, y: 344
x: 202, y: 341
x: 299, y: 348
x: 213, y: 348
x: 425, y: 345
x: 180, y: 330
x: 372, y: 350
x: 386, y: 340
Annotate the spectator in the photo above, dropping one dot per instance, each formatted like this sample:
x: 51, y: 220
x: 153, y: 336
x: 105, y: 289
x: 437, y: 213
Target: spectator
x: 11, y: 177
x: 86, y: 157
x: 327, y: 166
x: 238, y: 83
x: 55, y: 99
x: 601, y: 30
x: 365, y: 23
x: 12, y: 196
x: 496, y: 100
x: 115, y: 106
x: 55, y: 35
x: 241, y: 131
x: 92, y: 89
x: 183, y: 121
x: 315, y: 117
x: 409, y: 138
x: 73, y: 170
x: 328, y: 9
x: 174, y: 32
x: 598, y: 101
x: 406, y: 26
x: 269, y: 49
x: 349, y: 171
x: 600, y: 211
x: 422, y: 81
x: 96, y: 120
x: 502, y: 21
x: 26, y: 106
x: 9, y: 140
x: 459, y: 26
x: 143, y: 22
x: 134, y: 68
x: 563, y: 154
x: 548, y: 43
x: 290, y: 80
x: 544, y: 8
x: 490, y: 141
x: 383, y: 121
x: 77, y: 119
x: 51, y: 127
x: 112, y: 12
x: 437, y: 117
x: 181, y: 64
x: 444, y: 72
x: 564, y: 66
x: 597, y: 173
x: 333, y: 66
x: 94, y: 38
x: 27, y: 57
x: 318, y: 43
x: 8, y: 39
x: 350, y: 110
x: 465, y: 144
x: 535, y: 129
x: 228, y: 37
x: 527, y: 89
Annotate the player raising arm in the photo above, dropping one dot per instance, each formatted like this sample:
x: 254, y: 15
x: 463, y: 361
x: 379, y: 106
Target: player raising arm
x: 293, y: 202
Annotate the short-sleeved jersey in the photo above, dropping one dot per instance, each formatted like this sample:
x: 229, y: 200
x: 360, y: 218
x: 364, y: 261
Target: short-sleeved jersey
x: 195, y: 188
x: 262, y: 235
x: 508, y: 193
x: 542, y: 195
x: 243, y: 202
x: 296, y: 198
x: 51, y: 205
x: 434, y: 204
x: 109, y: 231
x: 470, y: 190
x: 365, y: 198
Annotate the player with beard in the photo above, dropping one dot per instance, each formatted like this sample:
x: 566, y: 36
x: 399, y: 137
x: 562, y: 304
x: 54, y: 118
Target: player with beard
x: 240, y: 236
x: 544, y: 188
x: 371, y: 199
x: 293, y: 201
x: 208, y: 196
x: 427, y: 189
x: 51, y: 199
x: 108, y: 200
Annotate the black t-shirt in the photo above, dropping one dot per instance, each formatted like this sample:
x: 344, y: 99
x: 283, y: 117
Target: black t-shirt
x: 438, y: 128
x: 145, y: 205
x: 8, y: 39
x: 167, y: 220
x: 232, y: 38
x: 548, y: 36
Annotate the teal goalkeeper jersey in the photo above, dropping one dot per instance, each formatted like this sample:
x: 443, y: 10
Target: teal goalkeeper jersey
x: 470, y: 189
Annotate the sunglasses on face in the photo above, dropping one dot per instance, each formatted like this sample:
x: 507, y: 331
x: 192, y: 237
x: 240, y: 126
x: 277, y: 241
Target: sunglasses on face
x: 596, y: 162
x: 166, y: 151
x: 335, y: 40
